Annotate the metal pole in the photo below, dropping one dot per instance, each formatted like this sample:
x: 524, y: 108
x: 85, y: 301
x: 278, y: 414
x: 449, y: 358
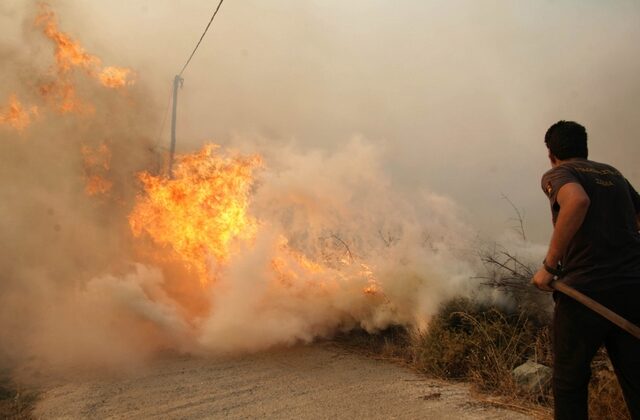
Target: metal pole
x: 177, y: 82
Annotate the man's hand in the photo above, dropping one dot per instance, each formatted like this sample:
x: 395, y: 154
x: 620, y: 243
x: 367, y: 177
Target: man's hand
x: 542, y: 280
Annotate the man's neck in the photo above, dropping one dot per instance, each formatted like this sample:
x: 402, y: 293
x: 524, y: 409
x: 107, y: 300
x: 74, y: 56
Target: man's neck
x: 559, y: 162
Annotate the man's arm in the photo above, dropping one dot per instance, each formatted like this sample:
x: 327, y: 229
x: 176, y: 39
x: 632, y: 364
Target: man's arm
x: 574, y: 204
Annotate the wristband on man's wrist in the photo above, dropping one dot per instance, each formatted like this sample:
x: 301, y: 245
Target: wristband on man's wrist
x: 555, y: 271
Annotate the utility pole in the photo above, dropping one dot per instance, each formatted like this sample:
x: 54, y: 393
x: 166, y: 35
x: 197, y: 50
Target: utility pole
x: 177, y: 82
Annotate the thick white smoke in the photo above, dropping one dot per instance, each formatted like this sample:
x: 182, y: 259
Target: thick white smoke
x: 78, y: 293
x: 339, y: 209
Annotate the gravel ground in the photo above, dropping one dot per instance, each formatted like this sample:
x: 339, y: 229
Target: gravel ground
x: 320, y: 381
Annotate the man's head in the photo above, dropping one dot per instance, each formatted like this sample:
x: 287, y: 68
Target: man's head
x: 566, y: 140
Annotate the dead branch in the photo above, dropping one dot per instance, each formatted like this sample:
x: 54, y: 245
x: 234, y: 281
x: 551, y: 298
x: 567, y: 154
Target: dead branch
x: 388, y: 239
x: 519, y: 217
x: 337, y: 238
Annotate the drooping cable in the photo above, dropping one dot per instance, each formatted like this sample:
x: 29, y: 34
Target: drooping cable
x: 201, y: 38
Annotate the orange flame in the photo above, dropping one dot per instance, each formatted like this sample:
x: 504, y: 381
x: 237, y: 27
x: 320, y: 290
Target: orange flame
x: 96, y: 165
x: 59, y: 90
x: 63, y: 96
x: 197, y: 214
x: 15, y: 115
x: 100, y: 156
x: 115, y: 77
x: 97, y: 185
x: 201, y: 210
x: 69, y: 55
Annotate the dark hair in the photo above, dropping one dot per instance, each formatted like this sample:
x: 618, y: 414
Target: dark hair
x: 566, y: 140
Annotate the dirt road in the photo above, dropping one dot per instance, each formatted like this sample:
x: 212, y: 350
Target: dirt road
x: 321, y: 381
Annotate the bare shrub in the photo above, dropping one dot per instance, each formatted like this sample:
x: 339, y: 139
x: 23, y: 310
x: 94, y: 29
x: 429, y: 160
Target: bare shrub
x: 478, y: 342
x: 511, y: 275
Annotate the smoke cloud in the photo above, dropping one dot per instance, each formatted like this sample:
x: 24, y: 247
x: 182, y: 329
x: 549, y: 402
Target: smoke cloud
x: 340, y: 209
x: 458, y: 95
x: 388, y: 133
x: 336, y: 246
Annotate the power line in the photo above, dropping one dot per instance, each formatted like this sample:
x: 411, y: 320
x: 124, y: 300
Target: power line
x: 177, y: 83
x: 201, y: 38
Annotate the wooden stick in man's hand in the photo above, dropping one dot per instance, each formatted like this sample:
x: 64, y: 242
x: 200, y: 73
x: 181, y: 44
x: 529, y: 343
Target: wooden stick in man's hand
x: 632, y: 329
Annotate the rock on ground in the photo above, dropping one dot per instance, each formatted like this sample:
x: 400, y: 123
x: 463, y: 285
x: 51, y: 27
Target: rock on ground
x: 533, y: 377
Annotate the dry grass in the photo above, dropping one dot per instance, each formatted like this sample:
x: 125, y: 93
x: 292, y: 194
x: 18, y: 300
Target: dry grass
x: 605, y: 396
x: 393, y: 344
x: 482, y: 344
x: 15, y: 403
x: 507, y: 272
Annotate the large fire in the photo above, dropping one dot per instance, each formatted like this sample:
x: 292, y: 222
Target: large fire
x: 201, y: 210
x: 197, y: 226
x: 224, y: 255
x: 199, y: 213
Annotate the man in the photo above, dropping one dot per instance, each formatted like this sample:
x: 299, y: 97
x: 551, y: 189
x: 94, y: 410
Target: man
x: 595, y: 248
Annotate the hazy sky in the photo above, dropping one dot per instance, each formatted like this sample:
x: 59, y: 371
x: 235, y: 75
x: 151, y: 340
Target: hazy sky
x: 457, y: 93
